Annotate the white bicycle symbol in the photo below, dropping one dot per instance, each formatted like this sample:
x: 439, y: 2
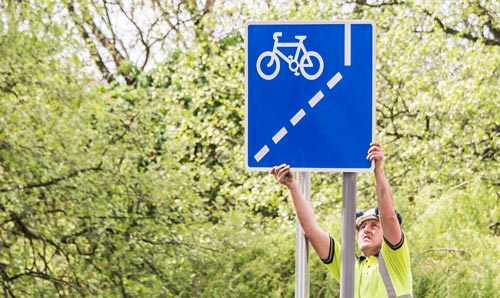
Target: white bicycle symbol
x: 268, y: 70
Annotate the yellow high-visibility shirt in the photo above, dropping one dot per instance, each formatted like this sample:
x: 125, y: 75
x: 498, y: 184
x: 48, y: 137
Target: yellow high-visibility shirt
x: 368, y: 279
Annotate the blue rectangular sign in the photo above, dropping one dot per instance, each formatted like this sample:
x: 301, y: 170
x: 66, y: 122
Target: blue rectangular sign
x: 310, y: 95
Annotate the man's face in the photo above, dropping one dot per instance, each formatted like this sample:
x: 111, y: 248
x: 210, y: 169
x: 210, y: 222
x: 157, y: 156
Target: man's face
x: 370, y: 236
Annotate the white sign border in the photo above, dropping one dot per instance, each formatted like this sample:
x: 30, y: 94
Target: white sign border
x: 336, y: 22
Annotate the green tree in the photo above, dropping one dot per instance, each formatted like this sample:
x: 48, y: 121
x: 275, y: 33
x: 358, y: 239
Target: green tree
x: 121, y: 152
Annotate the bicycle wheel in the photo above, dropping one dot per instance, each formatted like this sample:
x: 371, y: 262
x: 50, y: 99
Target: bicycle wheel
x: 313, y: 62
x: 268, y: 65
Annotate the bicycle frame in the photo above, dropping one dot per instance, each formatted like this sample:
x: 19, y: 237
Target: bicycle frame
x: 299, y: 45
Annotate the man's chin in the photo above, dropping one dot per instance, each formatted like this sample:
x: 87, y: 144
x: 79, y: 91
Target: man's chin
x: 364, y: 244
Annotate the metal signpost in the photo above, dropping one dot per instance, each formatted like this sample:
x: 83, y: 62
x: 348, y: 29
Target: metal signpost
x: 302, y: 244
x: 348, y: 222
x: 310, y: 103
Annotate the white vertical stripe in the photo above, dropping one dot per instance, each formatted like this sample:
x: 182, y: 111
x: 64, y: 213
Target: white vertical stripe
x: 334, y: 80
x: 296, y: 118
x: 279, y: 135
x: 347, y: 44
x: 262, y: 152
x: 316, y: 98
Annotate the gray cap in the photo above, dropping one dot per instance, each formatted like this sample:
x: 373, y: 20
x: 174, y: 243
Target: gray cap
x: 368, y: 214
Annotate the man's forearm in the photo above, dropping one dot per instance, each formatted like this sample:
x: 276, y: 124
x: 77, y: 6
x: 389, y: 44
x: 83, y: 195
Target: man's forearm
x: 303, y: 210
x: 387, y: 215
x: 318, y: 238
x: 383, y: 191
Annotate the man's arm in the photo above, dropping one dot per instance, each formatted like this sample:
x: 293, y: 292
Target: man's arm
x: 388, y: 219
x: 318, y: 238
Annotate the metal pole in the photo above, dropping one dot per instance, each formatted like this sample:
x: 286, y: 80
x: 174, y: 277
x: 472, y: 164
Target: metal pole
x: 347, y: 257
x: 302, y: 244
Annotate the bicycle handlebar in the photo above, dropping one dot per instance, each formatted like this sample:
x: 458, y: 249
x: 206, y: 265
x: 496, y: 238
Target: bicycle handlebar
x: 276, y: 35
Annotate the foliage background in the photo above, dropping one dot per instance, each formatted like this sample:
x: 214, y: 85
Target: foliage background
x: 121, y: 149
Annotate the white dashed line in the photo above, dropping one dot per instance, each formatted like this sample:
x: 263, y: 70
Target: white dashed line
x: 279, y: 135
x: 296, y: 118
x: 262, y: 152
x: 334, y: 80
x: 316, y: 98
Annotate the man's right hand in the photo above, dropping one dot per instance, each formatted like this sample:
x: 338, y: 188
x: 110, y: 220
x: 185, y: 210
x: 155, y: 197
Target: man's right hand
x: 283, y: 174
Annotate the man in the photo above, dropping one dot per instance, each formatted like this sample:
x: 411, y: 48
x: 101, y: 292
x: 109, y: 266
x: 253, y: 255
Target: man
x: 384, y: 268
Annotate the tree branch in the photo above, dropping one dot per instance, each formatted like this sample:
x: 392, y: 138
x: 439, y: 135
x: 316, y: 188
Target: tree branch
x: 365, y: 3
x: 51, y: 181
x: 451, y: 250
x: 98, y: 60
x: 467, y: 35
